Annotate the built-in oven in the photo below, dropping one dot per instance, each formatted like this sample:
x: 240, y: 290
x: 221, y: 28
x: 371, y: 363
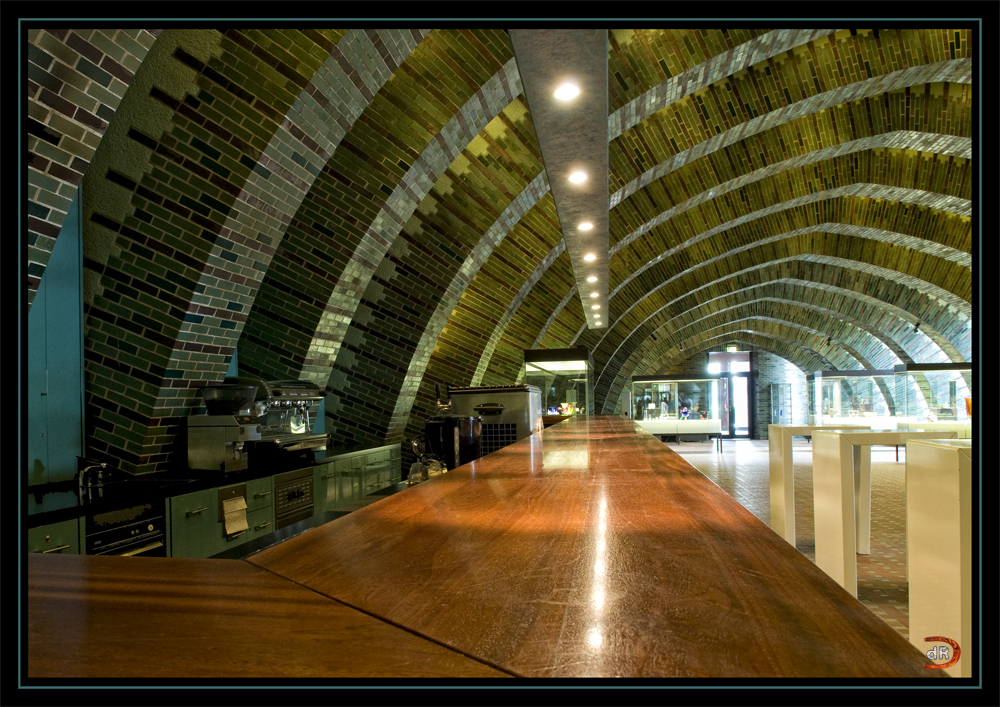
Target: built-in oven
x: 136, y: 531
x: 293, y: 497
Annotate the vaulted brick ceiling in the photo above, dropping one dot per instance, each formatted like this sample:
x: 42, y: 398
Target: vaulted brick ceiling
x: 370, y: 210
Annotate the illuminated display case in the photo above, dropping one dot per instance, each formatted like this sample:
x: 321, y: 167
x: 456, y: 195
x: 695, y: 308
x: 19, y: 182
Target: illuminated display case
x: 855, y: 397
x: 565, y: 377
x: 937, y: 395
x: 781, y: 403
x: 676, y: 405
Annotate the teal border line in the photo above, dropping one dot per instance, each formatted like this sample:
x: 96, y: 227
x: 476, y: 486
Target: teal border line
x: 353, y: 22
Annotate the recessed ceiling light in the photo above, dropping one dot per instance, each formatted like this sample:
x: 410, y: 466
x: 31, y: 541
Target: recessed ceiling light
x: 589, y: 256
x: 597, y: 324
x: 596, y: 316
x: 577, y: 177
x: 585, y: 226
x: 567, y: 91
x: 595, y: 294
x: 592, y: 278
x: 595, y: 306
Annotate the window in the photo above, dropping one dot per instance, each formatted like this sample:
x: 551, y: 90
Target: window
x: 729, y: 361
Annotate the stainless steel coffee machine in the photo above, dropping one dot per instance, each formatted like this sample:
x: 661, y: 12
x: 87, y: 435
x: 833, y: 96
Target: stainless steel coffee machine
x: 285, y: 411
x: 218, y: 441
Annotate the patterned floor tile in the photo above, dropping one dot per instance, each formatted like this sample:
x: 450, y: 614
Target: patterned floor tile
x: 741, y: 470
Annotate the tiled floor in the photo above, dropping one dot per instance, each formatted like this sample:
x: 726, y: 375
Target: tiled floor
x: 741, y: 470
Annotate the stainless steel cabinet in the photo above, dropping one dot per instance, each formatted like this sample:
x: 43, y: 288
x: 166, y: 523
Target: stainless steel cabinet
x: 350, y: 470
x: 377, y: 470
x: 361, y: 473
x: 325, y: 488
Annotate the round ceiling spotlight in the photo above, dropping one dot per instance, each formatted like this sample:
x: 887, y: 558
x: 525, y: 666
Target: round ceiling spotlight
x: 577, y: 177
x: 567, y: 91
x: 596, y: 316
x: 592, y: 278
x: 589, y: 256
x: 595, y: 294
x: 595, y: 306
x: 585, y: 226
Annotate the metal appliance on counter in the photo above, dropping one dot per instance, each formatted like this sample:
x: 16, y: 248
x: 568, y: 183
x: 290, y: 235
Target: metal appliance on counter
x: 453, y: 439
x: 286, y: 412
x: 217, y: 441
x: 509, y: 412
x: 284, y: 409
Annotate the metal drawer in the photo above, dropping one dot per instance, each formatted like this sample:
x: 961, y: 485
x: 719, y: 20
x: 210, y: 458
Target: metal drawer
x: 260, y: 494
x: 59, y: 538
x: 260, y: 522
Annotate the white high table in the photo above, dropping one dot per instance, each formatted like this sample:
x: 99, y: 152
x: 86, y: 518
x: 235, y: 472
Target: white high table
x: 779, y: 450
x: 939, y: 546
x: 842, y: 487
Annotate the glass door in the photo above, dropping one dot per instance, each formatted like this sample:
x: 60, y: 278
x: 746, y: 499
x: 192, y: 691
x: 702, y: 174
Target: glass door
x: 739, y: 389
x: 726, y: 406
x: 737, y: 417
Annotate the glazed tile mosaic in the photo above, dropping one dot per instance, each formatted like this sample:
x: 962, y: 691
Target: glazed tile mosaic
x: 741, y: 470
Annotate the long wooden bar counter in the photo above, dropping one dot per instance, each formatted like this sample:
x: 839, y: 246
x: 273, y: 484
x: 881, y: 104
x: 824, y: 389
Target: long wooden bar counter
x: 120, y: 617
x: 589, y: 549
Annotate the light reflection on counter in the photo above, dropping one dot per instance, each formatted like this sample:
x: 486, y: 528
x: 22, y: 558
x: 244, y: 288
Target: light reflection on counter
x: 536, y: 454
x: 567, y: 460
x: 595, y: 637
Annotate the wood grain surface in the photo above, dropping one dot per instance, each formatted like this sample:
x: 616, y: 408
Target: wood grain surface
x: 122, y: 617
x: 592, y: 549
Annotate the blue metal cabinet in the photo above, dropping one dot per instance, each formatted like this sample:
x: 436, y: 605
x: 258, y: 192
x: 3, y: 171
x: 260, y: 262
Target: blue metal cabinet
x: 59, y: 538
x: 195, y: 530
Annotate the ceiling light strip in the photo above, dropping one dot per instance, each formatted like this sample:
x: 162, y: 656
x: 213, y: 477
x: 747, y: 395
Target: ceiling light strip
x: 572, y: 131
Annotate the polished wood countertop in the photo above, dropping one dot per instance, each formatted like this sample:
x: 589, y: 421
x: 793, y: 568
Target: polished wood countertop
x: 123, y: 617
x: 591, y: 549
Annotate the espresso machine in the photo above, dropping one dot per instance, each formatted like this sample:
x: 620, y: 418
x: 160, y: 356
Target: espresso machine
x: 285, y: 413
x: 218, y: 441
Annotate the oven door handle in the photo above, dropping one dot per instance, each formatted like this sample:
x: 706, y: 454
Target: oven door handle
x: 55, y: 549
x: 153, y: 546
x: 196, y: 511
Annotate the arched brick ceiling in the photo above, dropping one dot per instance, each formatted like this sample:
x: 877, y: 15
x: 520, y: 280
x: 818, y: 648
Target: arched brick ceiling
x: 774, y: 159
x: 859, y: 342
x: 369, y: 210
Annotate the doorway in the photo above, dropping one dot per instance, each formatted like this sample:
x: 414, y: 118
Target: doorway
x: 735, y: 394
x: 737, y: 413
